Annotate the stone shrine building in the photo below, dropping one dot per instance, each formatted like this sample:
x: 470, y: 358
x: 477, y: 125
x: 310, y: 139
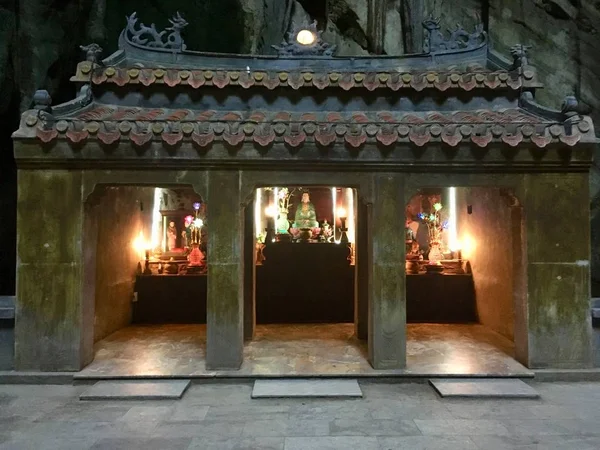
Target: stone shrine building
x: 171, y: 190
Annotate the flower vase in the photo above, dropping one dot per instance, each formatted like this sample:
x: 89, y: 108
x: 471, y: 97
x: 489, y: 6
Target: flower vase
x: 282, y: 224
x: 435, y: 252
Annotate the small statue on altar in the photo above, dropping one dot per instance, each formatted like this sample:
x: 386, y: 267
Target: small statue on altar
x: 306, y: 217
x: 186, y: 242
x: 171, y: 236
x: 184, y: 239
x: 326, y: 231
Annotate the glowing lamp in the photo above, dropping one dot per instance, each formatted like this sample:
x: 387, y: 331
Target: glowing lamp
x: 306, y: 37
x: 271, y: 211
x: 139, y: 243
x: 341, y: 212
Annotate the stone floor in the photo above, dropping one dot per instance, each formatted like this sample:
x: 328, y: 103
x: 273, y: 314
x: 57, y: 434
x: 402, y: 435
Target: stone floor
x: 303, y: 350
x: 224, y: 417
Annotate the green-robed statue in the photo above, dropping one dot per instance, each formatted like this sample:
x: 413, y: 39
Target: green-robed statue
x: 306, y: 217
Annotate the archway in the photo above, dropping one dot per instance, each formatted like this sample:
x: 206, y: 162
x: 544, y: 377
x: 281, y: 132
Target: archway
x: 465, y: 281
x: 302, y: 287
x: 144, y: 286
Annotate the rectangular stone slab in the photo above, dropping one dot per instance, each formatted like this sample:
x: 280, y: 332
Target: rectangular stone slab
x: 483, y: 388
x: 136, y: 390
x: 306, y: 388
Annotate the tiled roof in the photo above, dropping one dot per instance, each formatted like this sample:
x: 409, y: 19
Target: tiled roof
x: 440, y: 80
x: 110, y: 124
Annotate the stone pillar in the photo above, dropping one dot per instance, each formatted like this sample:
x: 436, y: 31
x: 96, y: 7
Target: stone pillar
x: 224, y: 316
x: 361, y: 272
x: 519, y: 275
x: 387, y: 303
x: 49, y: 324
x: 249, y: 273
x: 558, y: 270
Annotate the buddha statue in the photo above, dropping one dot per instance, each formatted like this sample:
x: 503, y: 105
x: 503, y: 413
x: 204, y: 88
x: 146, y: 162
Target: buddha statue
x: 171, y: 236
x: 306, y: 217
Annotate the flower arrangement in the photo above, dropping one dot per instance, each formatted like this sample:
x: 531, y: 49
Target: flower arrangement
x: 434, y: 224
x: 284, y: 195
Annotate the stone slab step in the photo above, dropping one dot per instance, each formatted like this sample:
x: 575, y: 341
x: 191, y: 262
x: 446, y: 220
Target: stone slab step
x: 136, y: 390
x: 483, y: 388
x: 295, y: 388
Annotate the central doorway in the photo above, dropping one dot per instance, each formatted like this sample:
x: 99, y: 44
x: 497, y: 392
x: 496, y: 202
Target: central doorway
x: 301, y: 247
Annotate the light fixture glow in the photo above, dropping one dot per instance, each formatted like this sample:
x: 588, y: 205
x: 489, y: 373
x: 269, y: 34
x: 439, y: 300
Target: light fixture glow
x: 306, y: 37
x: 271, y: 211
x: 351, y: 214
x: 341, y: 212
x: 333, y: 202
x: 257, y: 213
x: 156, y: 219
x: 452, y: 227
x: 140, y: 244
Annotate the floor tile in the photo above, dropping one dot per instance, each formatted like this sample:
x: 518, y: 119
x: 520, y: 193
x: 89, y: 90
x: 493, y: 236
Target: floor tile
x: 307, y: 350
x: 342, y: 427
x: 142, y: 444
x: 331, y: 443
x: 461, y: 427
x: 427, y: 443
x: 245, y: 443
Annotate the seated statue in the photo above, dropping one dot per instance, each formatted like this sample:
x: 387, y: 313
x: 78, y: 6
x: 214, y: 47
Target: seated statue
x: 306, y: 217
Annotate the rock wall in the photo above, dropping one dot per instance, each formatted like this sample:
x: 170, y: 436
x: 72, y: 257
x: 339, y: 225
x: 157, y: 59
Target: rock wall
x: 123, y: 212
x: 487, y: 234
x: 39, y: 49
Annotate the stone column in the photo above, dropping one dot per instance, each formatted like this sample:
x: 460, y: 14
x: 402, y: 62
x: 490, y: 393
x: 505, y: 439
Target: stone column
x: 224, y: 317
x: 249, y: 274
x: 558, y: 270
x: 49, y: 324
x: 361, y: 272
x: 387, y: 303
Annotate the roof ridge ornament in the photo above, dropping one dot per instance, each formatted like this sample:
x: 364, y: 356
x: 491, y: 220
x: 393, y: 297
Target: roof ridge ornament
x: 459, y: 39
x: 572, y: 111
x: 519, y: 52
x: 92, y: 52
x: 305, y: 41
x: 150, y: 37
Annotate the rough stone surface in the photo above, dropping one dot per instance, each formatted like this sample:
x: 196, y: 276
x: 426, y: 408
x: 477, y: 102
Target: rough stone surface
x: 399, y: 416
x: 487, y: 238
x: 48, y: 328
x: 387, y: 315
x: 225, y: 338
x: 483, y: 388
x: 305, y: 388
x: 559, y: 317
x: 122, y: 213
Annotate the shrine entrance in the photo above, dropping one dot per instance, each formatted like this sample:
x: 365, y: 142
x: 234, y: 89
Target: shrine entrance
x: 147, y: 277
x: 301, y: 252
x: 464, y: 280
